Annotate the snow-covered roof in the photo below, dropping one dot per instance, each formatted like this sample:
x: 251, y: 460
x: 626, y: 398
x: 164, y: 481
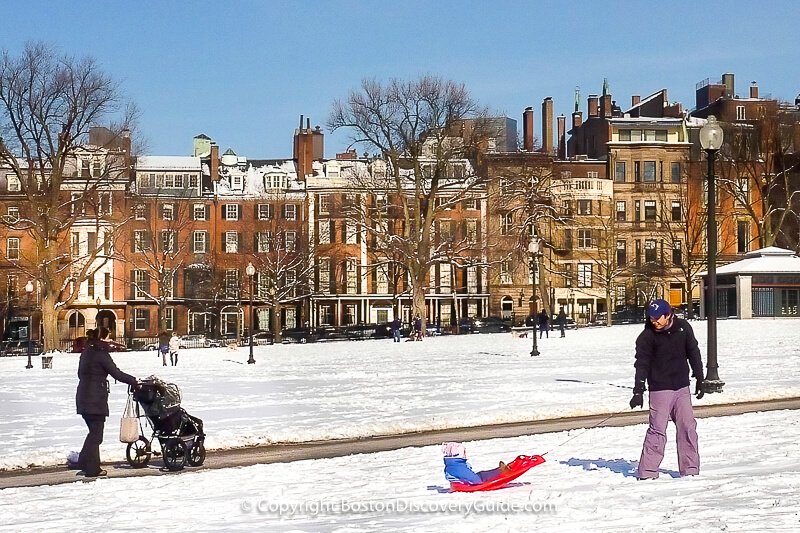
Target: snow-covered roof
x: 168, y: 162
x: 770, y: 260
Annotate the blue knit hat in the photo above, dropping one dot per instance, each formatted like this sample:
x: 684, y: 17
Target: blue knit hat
x: 658, y: 308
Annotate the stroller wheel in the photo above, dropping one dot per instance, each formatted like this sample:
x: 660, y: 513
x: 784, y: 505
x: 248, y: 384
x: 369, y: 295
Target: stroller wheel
x: 197, y: 455
x: 138, y: 453
x: 175, y: 454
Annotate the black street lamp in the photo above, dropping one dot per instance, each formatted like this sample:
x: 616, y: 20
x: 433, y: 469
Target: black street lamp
x: 251, y: 271
x: 711, y: 140
x: 29, y: 289
x: 533, y: 250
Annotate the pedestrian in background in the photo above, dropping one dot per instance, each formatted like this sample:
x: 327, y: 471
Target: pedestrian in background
x: 174, y: 346
x: 544, y: 326
x: 163, y: 346
x: 561, y: 320
x: 396, y: 327
x: 665, y: 351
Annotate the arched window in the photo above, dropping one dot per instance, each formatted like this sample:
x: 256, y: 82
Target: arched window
x: 77, y: 325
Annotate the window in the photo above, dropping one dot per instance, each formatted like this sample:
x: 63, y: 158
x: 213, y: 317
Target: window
x: 649, y: 135
x: 13, y: 214
x: 167, y: 212
x: 324, y: 274
x: 169, y: 181
x: 584, y: 238
x: 350, y: 232
x: 650, y: 251
x: 76, y: 206
x: 237, y: 182
x: 141, y: 319
x: 677, y: 255
x: 584, y: 275
x: 141, y: 284
x: 107, y: 286
x: 637, y: 171
x: 230, y: 212
x: 200, y: 242
x: 505, y: 272
x: 567, y: 239
x: 637, y: 210
x: 622, y: 253
x: 649, y: 171
x: 584, y: 207
x: 567, y: 274
x: 139, y: 240
x: 169, y: 318
x: 661, y: 135
x: 636, y: 135
x: 139, y: 212
x: 231, y: 283
x: 12, y: 248
x: 231, y: 242
x: 264, y: 241
x: 199, y: 211
x: 97, y: 168
x: 444, y: 278
x: 168, y: 241
x: 624, y: 135
x: 75, y: 244
x: 472, y: 203
x: 291, y: 240
x: 194, y: 181
x: 675, y: 172
x: 620, y: 295
x: 740, y: 115
x: 323, y: 203
x: 676, y: 211
x: 472, y: 279
x: 445, y: 230
x: 13, y: 183
x: 265, y: 211
x: 105, y: 204
x: 506, y: 222
x: 290, y: 212
x: 566, y: 208
x: 621, y: 214
x: 742, y: 236
x: 472, y: 231
x: 90, y: 286
x: 352, y: 276
x: 649, y: 209
x: 620, y: 171
x: 742, y: 191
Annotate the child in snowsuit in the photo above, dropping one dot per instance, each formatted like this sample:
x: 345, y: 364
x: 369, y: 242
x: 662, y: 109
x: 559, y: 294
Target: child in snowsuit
x: 458, y: 470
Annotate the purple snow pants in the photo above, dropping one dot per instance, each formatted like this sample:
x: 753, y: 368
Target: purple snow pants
x: 669, y: 405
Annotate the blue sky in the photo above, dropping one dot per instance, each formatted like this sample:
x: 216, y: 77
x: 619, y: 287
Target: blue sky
x: 243, y: 71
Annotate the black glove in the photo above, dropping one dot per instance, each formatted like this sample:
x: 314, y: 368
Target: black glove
x: 637, y: 400
x: 698, y: 389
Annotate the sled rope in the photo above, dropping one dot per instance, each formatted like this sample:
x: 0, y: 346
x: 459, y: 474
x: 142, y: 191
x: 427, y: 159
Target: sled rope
x: 603, y: 421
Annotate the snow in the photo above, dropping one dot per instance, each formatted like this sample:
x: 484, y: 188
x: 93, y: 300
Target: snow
x: 770, y: 260
x: 749, y: 480
x: 167, y: 162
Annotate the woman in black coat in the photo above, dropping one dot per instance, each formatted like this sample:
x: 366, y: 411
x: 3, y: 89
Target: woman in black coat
x: 92, y: 398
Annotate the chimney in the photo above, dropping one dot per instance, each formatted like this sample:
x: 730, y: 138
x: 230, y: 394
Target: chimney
x: 727, y: 81
x: 214, y: 161
x: 635, y: 99
x: 527, y: 130
x: 593, y: 107
x: 547, y: 125
x: 307, y: 147
x: 753, y: 89
x: 605, y: 106
x: 577, y: 119
x: 562, y: 137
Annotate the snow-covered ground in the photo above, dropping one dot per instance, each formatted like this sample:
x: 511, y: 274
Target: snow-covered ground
x: 750, y: 477
x: 351, y: 389
x: 749, y: 481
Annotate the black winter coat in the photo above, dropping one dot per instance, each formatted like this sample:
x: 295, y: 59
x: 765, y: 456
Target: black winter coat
x: 93, y: 370
x: 663, y: 357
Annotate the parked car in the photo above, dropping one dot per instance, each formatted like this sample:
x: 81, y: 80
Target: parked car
x: 303, y: 335
x: 489, y: 324
x: 199, y: 341
x: 260, y: 338
x: 569, y: 324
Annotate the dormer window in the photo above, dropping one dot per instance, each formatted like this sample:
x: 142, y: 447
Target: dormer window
x: 236, y: 182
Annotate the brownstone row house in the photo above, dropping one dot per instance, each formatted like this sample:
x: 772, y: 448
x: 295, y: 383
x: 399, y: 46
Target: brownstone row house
x: 618, y: 202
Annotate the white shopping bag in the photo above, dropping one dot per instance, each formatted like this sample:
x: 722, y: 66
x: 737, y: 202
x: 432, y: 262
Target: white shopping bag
x: 129, y: 424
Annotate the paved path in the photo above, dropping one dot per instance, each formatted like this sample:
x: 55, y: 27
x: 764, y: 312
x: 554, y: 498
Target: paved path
x: 283, y: 453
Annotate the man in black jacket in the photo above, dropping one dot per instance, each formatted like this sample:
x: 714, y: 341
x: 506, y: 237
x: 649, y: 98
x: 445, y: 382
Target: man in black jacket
x: 664, y: 352
x: 92, y: 399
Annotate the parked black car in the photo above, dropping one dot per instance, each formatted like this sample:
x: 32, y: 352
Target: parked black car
x: 489, y: 324
x: 302, y: 335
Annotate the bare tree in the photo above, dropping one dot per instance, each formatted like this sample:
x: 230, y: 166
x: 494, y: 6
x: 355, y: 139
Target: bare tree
x: 759, y: 169
x: 421, y: 131
x: 48, y: 106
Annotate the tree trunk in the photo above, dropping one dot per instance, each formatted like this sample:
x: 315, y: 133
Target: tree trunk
x: 418, y: 299
x: 49, y: 324
x: 608, y: 304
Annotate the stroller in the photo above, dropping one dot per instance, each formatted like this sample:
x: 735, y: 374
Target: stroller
x: 179, y: 433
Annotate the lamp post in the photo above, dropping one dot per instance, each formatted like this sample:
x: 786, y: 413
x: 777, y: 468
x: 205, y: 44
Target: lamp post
x: 251, y: 271
x: 29, y: 290
x: 711, y: 140
x: 533, y: 250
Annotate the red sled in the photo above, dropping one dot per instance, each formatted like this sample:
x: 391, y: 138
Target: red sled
x: 516, y: 468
